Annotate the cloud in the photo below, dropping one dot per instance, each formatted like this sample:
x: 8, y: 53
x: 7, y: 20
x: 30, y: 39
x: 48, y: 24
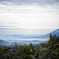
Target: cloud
x: 29, y: 16
x: 40, y: 2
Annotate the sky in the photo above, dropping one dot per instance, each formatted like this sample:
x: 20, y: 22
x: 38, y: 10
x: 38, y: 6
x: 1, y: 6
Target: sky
x: 29, y: 14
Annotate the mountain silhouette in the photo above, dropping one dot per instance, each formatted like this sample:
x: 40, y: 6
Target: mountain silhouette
x: 55, y: 32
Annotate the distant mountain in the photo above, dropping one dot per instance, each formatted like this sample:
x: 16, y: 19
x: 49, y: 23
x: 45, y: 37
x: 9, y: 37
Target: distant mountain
x: 22, y: 36
x: 10, y: 43
x: 3, y: 42
x: 55, y: 32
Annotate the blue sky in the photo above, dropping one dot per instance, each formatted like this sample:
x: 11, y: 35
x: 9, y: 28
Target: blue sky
x: 30, y: 14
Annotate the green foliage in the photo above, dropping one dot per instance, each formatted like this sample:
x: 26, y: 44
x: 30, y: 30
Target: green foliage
x: 48, y: 50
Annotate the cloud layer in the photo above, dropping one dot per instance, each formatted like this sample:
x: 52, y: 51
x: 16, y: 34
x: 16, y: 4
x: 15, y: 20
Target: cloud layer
x: 40, y: 2
x: 37, y: 14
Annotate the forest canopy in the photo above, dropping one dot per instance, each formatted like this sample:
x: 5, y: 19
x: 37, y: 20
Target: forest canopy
x: 47, y: 50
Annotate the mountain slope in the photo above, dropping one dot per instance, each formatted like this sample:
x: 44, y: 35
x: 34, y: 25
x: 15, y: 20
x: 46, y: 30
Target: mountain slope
x: 56, y: 32
x: 3, y: 42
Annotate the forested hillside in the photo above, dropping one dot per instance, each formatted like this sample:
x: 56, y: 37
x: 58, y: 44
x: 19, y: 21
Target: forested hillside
x: 47, y: 50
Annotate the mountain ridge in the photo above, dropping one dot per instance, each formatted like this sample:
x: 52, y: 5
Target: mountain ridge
x: 55, y: 32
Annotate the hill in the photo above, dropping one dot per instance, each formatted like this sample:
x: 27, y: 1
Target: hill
x: 55, y: 32
x: 3, y: 42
